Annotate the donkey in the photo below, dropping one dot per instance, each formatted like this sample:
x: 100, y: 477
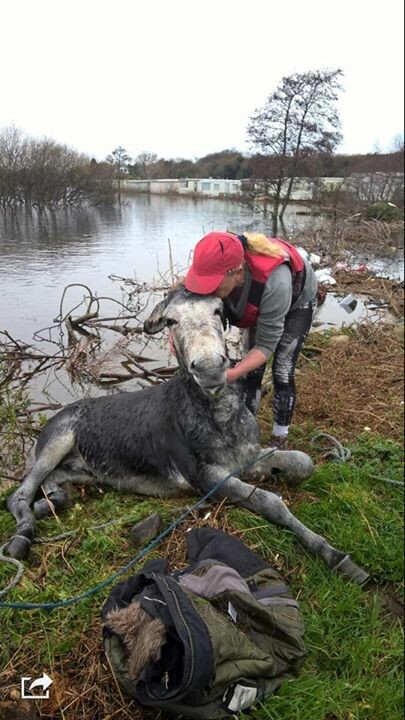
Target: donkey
x: 176, y: 438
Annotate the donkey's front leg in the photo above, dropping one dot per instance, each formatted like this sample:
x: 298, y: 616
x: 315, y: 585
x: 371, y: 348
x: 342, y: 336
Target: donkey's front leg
x: 294, y: 465
x: 271, y: 507
x: 19, y: 503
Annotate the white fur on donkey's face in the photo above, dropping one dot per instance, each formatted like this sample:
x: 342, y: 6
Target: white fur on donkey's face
x: 195, y: 323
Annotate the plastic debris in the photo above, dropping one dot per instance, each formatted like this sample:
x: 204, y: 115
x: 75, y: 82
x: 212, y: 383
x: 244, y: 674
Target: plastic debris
x: 324, y: 276
x: 313, y: 258
x: 341, y: 266
x: 348, y: 303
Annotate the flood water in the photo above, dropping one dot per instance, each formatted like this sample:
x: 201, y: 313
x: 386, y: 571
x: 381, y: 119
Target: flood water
x: 41, y: 253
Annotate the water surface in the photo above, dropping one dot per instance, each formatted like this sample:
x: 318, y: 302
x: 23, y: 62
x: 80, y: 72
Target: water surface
x: 41, y: 253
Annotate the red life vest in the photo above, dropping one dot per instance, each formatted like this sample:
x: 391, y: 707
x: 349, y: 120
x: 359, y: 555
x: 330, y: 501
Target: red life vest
x: 261, y: 266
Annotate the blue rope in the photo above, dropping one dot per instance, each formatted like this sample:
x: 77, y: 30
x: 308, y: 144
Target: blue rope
x: 135, y: 560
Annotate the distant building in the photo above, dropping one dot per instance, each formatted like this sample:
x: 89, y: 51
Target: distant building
x: 371, y: 186
x: 217, y: 187
x: 141, y: 186
x: 188, y: 185
x: 207, y: 187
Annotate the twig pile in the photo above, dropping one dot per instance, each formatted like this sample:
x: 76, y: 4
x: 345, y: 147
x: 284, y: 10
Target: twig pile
x: 354, y: 386
x: 373, y: 235
x: 351, y: 235
x: 382, y: 290
x: 87, y: 350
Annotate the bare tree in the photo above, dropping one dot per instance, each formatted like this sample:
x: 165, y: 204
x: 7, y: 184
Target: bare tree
x: 397, y: 144
x: 147, y: 165
x: 13, y: 152
x: 258, y: 188
x: 120, y: 159
x: 43, y: 173
x: 299, y: 119
x: 374, y: 187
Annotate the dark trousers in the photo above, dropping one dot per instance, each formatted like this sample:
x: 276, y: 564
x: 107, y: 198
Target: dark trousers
x: 296, y: 327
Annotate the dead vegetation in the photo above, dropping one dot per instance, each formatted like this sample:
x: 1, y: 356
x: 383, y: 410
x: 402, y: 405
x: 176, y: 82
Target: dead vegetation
x: 352, y: 386
x: 376, y: 236
x: 357, y: 235
x: 352, y: 237
x: 85, y: 346
x: 385, y: 292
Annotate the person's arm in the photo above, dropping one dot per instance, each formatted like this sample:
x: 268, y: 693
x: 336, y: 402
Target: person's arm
x: 250, y: 362
x: 274, y: 306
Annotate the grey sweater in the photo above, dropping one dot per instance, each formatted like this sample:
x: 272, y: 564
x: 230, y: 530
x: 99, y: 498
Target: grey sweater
x: 275, y: 304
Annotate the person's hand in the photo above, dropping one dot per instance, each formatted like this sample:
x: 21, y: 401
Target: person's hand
x: 231, y: 375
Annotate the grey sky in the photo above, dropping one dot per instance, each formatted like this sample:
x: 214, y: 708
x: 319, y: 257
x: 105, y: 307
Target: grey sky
x: 181, y: 78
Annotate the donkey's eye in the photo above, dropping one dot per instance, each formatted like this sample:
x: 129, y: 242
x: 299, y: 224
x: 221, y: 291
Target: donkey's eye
x: 170, y: 322
x: 218, y: 312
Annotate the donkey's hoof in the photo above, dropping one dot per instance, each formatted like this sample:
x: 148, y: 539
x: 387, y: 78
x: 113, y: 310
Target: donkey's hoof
x: 351, y: 571
x: 18, y: 547
x: 294, y: 465
x: 42, y: 509
x: 57, y: 500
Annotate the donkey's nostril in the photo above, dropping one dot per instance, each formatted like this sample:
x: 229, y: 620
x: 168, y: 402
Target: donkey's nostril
x: 210, y: 363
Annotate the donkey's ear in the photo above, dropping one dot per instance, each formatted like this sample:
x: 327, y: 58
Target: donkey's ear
x: 156, y: 322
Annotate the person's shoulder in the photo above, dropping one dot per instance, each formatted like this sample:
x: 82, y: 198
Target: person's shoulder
x: 281, y: 275
x: 278, y: 289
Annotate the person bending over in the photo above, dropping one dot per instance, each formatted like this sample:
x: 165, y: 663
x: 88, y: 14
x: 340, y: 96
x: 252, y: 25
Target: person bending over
x: 269, y: 289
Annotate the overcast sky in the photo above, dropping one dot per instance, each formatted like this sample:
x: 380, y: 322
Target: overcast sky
x: 181, y: 77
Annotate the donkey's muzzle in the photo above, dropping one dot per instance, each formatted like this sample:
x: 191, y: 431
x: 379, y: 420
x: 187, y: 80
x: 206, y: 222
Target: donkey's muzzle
x: 209, y: 371
x: 203, y: 364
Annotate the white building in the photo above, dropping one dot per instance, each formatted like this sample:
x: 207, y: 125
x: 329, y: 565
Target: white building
x: 208, y: 187
x: 303, y: 189
x: 142, y: 186
x: 216, y: 187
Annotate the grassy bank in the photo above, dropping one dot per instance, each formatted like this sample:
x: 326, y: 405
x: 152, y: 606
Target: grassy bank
x: 354, y: 666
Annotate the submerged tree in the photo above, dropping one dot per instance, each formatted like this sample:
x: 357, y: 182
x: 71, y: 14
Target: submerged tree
x: 299, y: 119
x: 119, y: 158
x: 13, y: 154
x: 43, y: 173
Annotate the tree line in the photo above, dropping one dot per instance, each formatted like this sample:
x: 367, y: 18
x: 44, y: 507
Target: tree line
x: 294, y: 134
x: 234, y: 165
x: 43, y: 173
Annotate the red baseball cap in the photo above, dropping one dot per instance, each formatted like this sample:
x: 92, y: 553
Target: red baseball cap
x: 214, y: 256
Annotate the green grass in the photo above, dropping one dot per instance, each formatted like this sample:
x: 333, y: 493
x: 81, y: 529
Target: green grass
x: 354, y: 666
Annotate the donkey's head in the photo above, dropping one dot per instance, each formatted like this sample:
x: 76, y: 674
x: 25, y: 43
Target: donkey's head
x: 195, y: 323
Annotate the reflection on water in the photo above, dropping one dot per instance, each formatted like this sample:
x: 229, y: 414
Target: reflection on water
x: 40, y: 253
x: 332, y: 314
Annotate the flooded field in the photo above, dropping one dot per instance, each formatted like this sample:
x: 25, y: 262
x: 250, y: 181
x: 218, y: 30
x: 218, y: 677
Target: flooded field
x: 40, y: 254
